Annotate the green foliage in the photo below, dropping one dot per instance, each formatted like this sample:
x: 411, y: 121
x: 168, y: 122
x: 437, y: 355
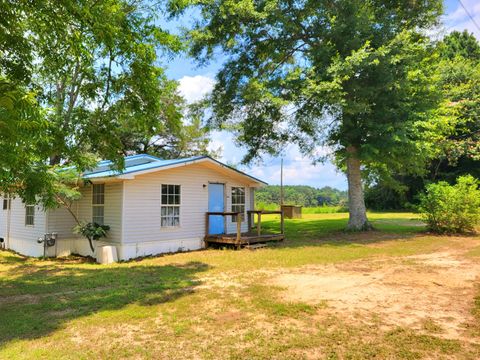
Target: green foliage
x: 463, y: 44
x: 185, y: 138
x: 260, y: 205
x: 23, y: 142
x: 349, y: 74
x: 81, y: 81
x: 452, y: 208
x: 357, y: 76
x: 458, y: 154
x: 459, y: 75
x: 381, y: 197
x: 325, y: 209
x: 92, y: 231
x: 300, y: 195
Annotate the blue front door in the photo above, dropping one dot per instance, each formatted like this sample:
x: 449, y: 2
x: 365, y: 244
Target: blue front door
x: 216, y: 204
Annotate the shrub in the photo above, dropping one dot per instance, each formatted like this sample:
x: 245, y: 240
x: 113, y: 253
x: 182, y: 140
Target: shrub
x: 326, y: 209
x: 451, y: 208
x: 92, y: 231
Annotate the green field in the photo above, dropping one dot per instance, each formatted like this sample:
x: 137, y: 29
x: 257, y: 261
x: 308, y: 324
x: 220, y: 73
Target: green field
x: 327, y: 209
x: 228, y: 304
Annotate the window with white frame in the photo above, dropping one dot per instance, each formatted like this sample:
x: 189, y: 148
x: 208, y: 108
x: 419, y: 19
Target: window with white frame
x: 29, y: 215
x: 98, y: 203
x: 170, y: 205
x: 238, y: 202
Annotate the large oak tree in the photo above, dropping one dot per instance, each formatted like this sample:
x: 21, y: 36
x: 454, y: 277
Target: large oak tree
x: 350, y: 74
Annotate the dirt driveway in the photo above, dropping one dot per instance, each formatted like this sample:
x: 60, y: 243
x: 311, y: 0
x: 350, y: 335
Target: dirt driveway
x: 433, y: 291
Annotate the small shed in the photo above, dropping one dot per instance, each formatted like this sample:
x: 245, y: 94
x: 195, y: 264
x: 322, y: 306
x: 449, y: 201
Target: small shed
x: 292, y: 211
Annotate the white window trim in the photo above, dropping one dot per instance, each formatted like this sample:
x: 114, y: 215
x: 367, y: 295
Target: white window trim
x: 173, y: 227
x: 244, y: 203
x: 33, y: 216
x: 99, y: 205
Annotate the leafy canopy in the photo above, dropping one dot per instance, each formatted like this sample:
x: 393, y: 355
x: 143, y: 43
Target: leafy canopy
x: 23, y: 141
x: 90, y: 76
x: 459, y: 76
x: 339, y: 73
x: 458, y: 154
x: 460, y: 44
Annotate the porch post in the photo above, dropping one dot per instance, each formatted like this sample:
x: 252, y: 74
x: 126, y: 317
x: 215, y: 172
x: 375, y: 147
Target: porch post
x: 259, y: 223
x: 239, y: 229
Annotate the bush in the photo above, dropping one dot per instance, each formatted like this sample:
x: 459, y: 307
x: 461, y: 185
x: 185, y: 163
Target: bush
x: 451, y: 208
x: 324, y: 209
x: 92, y: 231
x: 260, y: 205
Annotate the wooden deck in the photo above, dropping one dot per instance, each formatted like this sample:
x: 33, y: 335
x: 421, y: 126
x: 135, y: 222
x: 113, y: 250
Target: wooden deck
x: 239, y: 238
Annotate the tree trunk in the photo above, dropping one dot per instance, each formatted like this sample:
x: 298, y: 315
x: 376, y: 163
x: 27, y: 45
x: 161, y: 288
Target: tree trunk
x: 90, y: 242
x: 356, y: 201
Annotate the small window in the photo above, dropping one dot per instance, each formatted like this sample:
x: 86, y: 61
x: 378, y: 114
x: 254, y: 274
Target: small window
x: 238, y: 202
x: 30, y: 215
x: 98, y: 203
x: 170, y: 206
x: 7, y: 204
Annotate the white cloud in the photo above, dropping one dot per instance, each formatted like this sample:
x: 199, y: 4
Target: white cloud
x: 194, y: 88
x: 298, y: 170
x: 458, y: 19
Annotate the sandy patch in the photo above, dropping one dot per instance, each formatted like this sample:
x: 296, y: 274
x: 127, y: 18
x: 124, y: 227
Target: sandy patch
x: 408, y: 291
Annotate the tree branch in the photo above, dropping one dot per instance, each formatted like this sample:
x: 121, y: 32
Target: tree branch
x: 109, y: 77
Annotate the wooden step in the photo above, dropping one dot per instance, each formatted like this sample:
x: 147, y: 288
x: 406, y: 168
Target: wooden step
x: 255, y: 246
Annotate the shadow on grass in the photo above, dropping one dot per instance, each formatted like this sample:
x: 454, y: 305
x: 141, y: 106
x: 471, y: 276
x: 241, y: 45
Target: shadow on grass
x: 12, y: 259
x: 311, y: 232
x: 37, y: 299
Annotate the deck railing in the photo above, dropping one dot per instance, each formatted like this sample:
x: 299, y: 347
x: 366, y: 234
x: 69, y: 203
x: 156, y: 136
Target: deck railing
x: 259, y: 213
x: 250, y: 221
x: 239, y: 216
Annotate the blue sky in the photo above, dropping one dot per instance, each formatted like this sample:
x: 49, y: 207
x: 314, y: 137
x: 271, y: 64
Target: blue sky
x: 196, y: 81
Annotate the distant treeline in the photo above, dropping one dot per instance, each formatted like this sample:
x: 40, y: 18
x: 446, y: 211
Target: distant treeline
x: 301, y: 195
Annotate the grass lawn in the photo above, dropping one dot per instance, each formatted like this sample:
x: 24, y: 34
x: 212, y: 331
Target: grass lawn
x: 393, y: 293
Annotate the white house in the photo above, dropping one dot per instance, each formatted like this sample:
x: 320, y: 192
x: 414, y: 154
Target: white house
x: 154, y: 206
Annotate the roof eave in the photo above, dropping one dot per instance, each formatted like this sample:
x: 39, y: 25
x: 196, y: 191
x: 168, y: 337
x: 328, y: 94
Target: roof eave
x: 129, y: 175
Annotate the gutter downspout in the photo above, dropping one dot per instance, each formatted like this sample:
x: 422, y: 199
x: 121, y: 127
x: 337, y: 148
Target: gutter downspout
x: 9, y: 217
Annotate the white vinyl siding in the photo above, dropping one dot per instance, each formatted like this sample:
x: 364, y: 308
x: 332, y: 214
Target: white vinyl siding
x: 142, y: 210
x: 132, y: 209
x: 113, y: 200
x: 23, y: 239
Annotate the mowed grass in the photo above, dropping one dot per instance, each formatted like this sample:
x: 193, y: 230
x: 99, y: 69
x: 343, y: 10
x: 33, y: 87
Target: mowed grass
x: 212, y: 304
